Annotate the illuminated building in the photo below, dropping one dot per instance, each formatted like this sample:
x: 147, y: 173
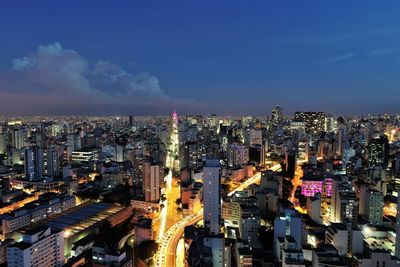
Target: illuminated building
x: 34, y: 212
x: 312, y: 185
x: 344, y: 203
x: 237, y: 155
x: 378, y: 152
x: 314, y: 121
x: 151, y: 181
x: 34, y: 163
x: 73, y: 144
x: 83, y: 156
x: 212, y: 196
x: 84, y: 219
x: 371, y: 205
x: 19, y: 139
x: 40, y: 246
x: 277, y: 116
x: 189, y: 155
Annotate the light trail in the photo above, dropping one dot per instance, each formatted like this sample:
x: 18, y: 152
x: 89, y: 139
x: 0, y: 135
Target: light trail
x: 166, y: 255
x: 173, y: 151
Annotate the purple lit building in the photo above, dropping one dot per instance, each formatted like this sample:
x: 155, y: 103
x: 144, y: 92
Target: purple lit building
x: 313, y: 184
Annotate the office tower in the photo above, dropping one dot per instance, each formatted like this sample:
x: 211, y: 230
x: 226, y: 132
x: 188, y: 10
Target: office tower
x: 314, y: 121
x: 34, y: 163
x: 277, y: 116
x: 237, y: 155
x: 340, y: 141
x: 212, y: 196
x: 73, y: 144
x: 189, y: 155
x: 3, y: 143
x: 344, y: 203
x: 18, y: 138
x: 55, y: 130
x: 50, y: 156
x: 378, y: 152
x: 41, y: 246
x: 255, y: 137
x: 151, y: 181
x: 130, y: 120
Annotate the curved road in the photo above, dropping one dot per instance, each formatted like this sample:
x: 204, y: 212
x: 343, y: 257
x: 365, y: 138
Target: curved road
x: 166, y: 255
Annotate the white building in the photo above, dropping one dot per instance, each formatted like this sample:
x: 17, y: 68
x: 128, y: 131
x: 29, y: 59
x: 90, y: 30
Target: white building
x: 287, y: 224
x: 41, y: 247
x: 83, y: 156
x: 346, y: 239
x: 211, y: 196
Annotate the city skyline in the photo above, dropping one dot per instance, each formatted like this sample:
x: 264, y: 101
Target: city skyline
x: 227, y: 58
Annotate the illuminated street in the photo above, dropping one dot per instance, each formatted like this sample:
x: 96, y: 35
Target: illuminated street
x: 168, y: 214
x: 166, y: 255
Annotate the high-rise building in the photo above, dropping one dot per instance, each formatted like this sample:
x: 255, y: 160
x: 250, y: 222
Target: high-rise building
x: 237, y: 155
x: 40, y: 246
x: 344, y: 203
x: 378, y: 151
x: 18, y: 138
x: 374, y: 206
x: 288, y: 224
x: 277, y: 116
x: 3, y: 143
x: 212, y: 196
x: 34, y: 163
x: 314, y: 121
x: 50, y: 156
x: 73, y: 144
x: 151, y: 181
x: 130, y: 120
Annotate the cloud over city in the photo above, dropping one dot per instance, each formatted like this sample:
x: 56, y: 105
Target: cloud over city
x: 56, y: 74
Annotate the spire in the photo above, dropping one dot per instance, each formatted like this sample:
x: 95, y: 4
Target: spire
x: 174, y: 115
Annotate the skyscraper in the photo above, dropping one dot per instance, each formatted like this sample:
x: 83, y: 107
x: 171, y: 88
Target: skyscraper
x: 51, y: 162
x: 314, y: 121
x: 378, y: 151
x: 34, y: 163
x: 212, y: 196
x: 151, y: 181
x: 277, y: 116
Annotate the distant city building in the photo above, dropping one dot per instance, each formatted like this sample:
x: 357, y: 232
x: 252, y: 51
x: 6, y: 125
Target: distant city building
x: 314, y: 121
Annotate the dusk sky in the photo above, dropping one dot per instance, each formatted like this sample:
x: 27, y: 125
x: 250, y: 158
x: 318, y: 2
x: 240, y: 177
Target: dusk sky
x: 224, y: 57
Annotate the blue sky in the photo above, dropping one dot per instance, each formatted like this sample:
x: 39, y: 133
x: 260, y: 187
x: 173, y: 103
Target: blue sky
x: 228, y: 57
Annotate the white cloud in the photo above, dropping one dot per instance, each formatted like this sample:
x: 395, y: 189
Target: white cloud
x: 53, y: 68
x: 339, y: 58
